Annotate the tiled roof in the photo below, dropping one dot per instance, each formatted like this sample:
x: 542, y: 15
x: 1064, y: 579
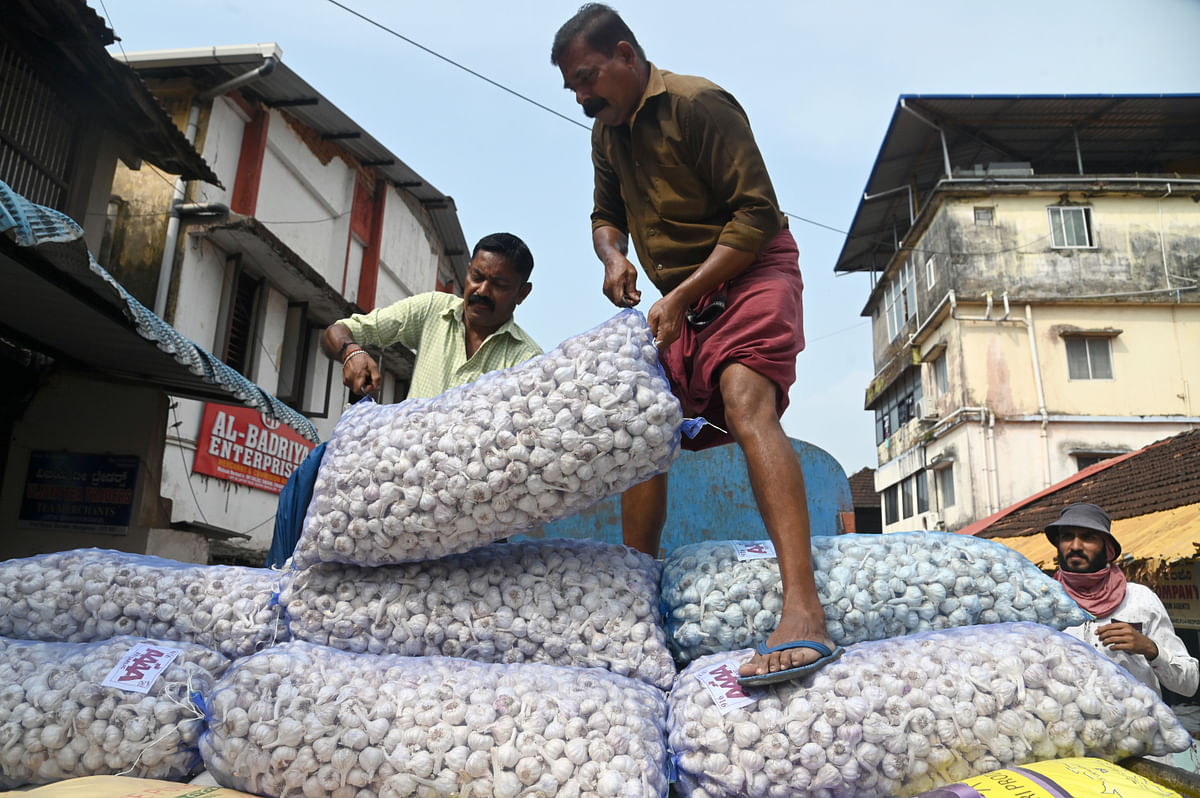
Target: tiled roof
x: 862, y: 488
x: 1162, y: 476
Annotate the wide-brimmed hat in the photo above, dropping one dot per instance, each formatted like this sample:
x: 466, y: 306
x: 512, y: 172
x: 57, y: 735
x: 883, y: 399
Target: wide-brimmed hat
x: 1083, y: 516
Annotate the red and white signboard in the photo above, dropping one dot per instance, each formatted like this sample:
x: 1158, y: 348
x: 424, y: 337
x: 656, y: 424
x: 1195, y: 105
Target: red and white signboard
x: 242, y: 445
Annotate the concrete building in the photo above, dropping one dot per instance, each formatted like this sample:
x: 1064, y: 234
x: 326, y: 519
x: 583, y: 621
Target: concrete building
x: 87, y: 371
x: 314, y: 220
x: 1035, y: 266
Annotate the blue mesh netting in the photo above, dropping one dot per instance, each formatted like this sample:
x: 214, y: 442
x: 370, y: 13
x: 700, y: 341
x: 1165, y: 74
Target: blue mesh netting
x: 31, y: 225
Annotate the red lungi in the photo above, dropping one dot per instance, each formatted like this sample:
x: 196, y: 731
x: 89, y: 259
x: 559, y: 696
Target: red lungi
x: 762, y: 328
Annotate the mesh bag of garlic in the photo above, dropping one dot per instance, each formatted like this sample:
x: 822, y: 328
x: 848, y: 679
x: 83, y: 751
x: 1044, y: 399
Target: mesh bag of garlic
x: 301, y: 719
x: 82, y: 595
x: 115, y: 706
x: 901, y: 716
x: 513, y: 450
x: 722, y: 595
x: 559, y: 602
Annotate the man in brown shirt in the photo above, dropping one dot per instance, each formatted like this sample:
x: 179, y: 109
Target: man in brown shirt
x: 677, y: 167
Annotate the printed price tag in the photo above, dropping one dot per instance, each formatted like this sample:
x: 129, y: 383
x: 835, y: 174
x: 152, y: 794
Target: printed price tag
x: 753, y: 549
x: 721, y: 681
x: 140, y: 667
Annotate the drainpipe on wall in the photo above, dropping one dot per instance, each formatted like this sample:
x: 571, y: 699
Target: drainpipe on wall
x: 1041, y: 396
x: 166, y: 267
x: 994, y: 486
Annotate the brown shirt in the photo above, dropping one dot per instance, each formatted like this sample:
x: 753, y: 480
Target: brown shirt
x: 684, y: 176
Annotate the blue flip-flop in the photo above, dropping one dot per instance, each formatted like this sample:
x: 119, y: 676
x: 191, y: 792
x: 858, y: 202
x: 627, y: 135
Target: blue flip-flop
x: 826, y: 656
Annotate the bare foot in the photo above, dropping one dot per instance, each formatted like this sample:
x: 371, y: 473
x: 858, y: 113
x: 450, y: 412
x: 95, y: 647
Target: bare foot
x: 792, y: 626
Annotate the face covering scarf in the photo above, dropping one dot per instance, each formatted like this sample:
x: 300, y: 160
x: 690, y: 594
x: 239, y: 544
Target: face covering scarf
x: 1100, y: 592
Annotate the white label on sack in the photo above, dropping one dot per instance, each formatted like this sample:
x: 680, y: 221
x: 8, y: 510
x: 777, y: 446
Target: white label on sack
x: 140, y: 667
x: 753, y: 549
x: 721, y: 680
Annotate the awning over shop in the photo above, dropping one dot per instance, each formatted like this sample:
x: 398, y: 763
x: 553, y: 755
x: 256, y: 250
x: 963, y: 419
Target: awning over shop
x: 57, y: 299
x: 1156, y: 539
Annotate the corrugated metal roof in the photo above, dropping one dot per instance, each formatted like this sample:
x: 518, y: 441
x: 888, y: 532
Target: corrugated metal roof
x: 1156, y: 539
x: 66, y: 39
x: 1118, y: 135
x: 283, y: 89
x: 58, y: 300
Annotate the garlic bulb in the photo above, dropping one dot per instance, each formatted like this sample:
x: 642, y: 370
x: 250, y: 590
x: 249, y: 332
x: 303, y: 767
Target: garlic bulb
x: 560, y: 602
x: 384, y: 725
x: 505, y: 454
x: 58, y: 721
x: 943, y: 705
x: 872, y: 587
x: 83, y: 595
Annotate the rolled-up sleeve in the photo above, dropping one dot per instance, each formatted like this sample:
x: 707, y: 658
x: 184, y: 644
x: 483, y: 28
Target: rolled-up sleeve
x: 400, y: 322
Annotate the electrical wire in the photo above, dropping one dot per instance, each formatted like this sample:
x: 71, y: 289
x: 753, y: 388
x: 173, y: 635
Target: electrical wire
x: 454, y: 63
x: 183, y: 459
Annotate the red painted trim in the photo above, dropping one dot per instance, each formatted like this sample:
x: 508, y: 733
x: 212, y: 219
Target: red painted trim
x: 368, y: 278
x: 250, y: 164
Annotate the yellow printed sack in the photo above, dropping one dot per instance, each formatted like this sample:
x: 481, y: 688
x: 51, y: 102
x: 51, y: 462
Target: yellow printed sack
x: 1076, y: 777
x: 126, y: 787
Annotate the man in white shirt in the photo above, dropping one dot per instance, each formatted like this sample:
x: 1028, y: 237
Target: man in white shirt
x: 1131, y: 626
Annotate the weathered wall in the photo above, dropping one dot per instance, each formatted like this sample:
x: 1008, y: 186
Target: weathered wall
x: 75, y: 413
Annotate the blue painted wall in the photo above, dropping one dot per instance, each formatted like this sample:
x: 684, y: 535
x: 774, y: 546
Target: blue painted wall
x: 710, y: 499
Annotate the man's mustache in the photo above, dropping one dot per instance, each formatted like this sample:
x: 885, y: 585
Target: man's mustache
x: 594, y: 106
x: 477, y: 299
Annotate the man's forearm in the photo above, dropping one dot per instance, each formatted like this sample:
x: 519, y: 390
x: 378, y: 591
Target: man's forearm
x: 722, y: 265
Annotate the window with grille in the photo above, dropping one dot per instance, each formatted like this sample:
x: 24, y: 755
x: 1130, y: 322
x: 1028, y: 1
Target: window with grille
x: 985, y: 216
x: 242, y: 334
x: 1089, y: 358
x: 37, y: 134
x: 1070, y: 226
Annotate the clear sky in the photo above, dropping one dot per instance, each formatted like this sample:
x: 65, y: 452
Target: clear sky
x: 819, y: 81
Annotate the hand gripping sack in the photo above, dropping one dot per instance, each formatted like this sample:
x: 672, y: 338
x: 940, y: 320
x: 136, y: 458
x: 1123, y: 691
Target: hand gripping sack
x: 559, y: 602
x: 301, y: 719
x: 107, y: 707
x: 84, y: 595
x: 512, y: 451
x: 717, y: 597
x: 901, y: 716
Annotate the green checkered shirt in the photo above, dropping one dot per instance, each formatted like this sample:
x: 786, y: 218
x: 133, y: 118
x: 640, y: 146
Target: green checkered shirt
x: 432, y: 325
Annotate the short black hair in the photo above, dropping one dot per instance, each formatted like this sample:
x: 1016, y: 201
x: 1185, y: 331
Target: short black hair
x: 508, y: 246
x: 601, y: 28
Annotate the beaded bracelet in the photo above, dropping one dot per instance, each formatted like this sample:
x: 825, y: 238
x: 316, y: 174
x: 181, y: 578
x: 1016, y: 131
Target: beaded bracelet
x: 352, y: 354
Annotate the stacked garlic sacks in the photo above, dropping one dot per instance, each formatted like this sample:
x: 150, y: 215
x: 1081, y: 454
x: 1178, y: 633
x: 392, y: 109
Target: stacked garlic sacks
x: 872, y: 587
x: 397, y: 568
x: 86, y: 595
x: 505, y: 454
x: 901, y: 716
x: 60, y: 716
x: 301, y: 719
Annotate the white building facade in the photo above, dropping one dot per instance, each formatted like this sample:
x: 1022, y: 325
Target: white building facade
x: 1036, y: 294
x: 313, y: 220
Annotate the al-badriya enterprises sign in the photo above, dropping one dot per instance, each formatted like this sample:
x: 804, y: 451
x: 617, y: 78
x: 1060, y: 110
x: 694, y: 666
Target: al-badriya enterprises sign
x: 242, y: 445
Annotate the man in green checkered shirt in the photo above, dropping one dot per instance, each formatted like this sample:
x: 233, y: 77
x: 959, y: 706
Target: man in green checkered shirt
x: 457, y: 339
